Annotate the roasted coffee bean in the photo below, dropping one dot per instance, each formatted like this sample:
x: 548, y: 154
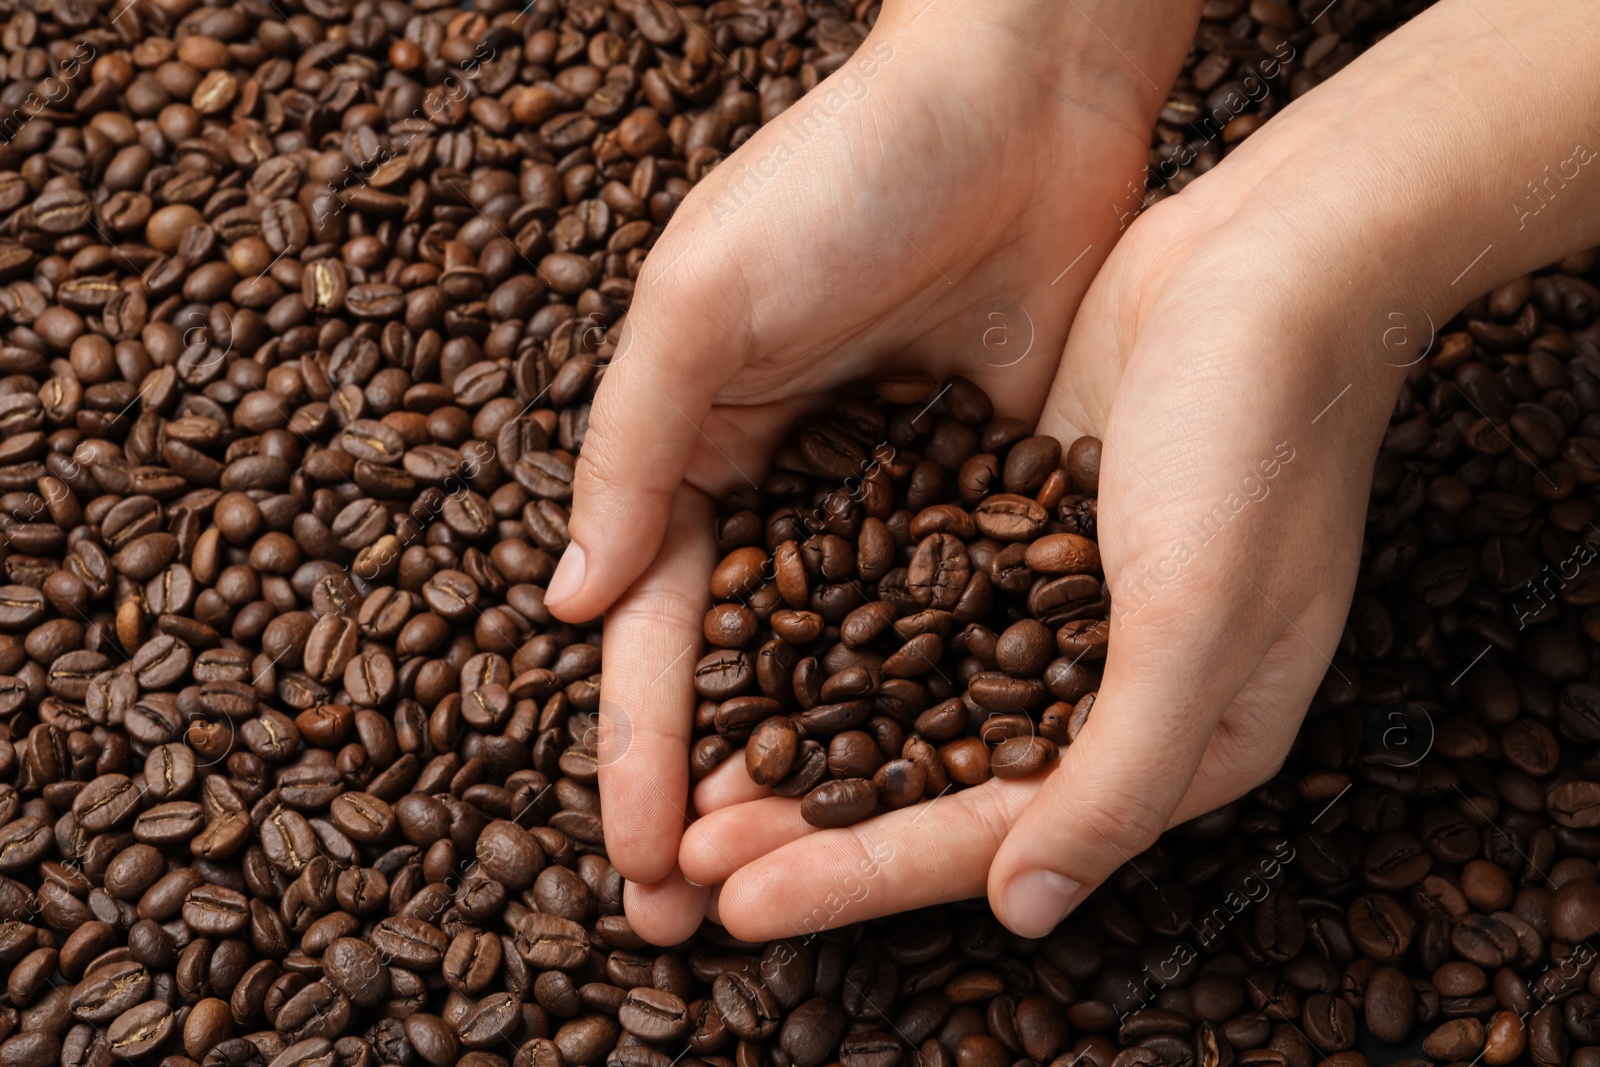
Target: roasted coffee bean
x: 141, y: 1029
x: 747, y: 1006
x: 107, y: 991
x: 410, y: 942
x: 839, y: 803
x: 771, y: 750
x: 509, y: 854
x: 547, y: 941
x: 1390, y: 1005
x: 215, y: 911
x: 434, y: 1040
x: 1018, y: 757
x: 358, y: 970
x: 653, y: 1015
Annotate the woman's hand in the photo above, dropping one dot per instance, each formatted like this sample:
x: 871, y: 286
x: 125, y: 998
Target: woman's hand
x: 1239, y: 355
x: 941, y: 202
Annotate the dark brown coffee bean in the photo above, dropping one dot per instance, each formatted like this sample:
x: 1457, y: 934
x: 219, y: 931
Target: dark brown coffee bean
x: 839, y: 803
x: 434, y: 1040
x: 141, y: 1029
x: 1459, y: 1039
x: 107, y: 991
x: 106, y: 802
x: 410, y: 942
x: 550, y: 942
x: 356, y: 968
x: 747, y: 1006
x: 653, y: 1015
x: 771, y: 750
x: 362, y: 816
x: 1030, y: 462
x: 586, y: 1040
x: 1390, y: 1005
x: 1083, y: 463
x: 1018, y: 757
x: 215, y: 911
x: 812, y: 1032
x: 509, y: 854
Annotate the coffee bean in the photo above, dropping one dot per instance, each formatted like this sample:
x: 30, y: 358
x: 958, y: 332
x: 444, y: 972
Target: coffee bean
x: 839, y: 803
x: 411, y: 942
x: 552, y: 942
x: 771, y: 750
x: 1030, y: 462
x: 357, y: 970
x: 747, y: 1006
x: 1390, y: 1005
x: 509, y: 854
x: 812, y: 1031
x: 585, y: 1040
x: 1459, y: 1039
x: 653, y: 1015
x: 141, y: 1029
x: 107, y: 991
x: 1018, y: 757
x: 433, y: 1039
x: 215, y: 911
x: 106, y: 802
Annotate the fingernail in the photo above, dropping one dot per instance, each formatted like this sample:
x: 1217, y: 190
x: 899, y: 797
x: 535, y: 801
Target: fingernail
x: 1038, y: 900
x: 568, y: 578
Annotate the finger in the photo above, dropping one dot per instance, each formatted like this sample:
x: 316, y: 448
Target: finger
x: 667, y: 912
x: 815, y: 879
x: 1248, y: 746
x: 927, y: 854
x: 650, y: 643
x: 1171, y: 673
x: 729, y: 784
x: 716, y: 845
x: 643, y: 427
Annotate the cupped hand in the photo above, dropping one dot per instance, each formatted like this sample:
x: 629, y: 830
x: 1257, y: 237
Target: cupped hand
x: 966, y: 172
x: 1240, y: 415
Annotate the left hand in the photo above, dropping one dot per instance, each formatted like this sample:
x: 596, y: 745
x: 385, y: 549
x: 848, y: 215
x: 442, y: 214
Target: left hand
x: 746, y: 326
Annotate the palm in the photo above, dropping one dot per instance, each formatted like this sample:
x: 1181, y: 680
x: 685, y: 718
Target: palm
x: 965, y: 274
x: 1222, y: 511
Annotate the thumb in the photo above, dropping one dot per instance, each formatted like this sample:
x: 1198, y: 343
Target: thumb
x: 1168, y: 682
x: 646, y: 421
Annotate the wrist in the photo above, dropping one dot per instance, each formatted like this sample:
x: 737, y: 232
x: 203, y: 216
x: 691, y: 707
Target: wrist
x: 1101, y: 54
x: 1403, y: 183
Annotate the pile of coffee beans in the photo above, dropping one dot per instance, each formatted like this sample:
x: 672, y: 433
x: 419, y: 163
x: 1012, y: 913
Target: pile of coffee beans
x: 302, y: 304
x: 914, y: 603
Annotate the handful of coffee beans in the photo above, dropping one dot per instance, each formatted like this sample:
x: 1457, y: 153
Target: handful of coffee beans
x: 913, y: 604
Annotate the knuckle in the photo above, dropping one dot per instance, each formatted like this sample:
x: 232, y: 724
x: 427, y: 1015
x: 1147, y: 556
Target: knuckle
x: 595, y: 470
x: 1127, y: 818
x: 991, y: 821
x: 652, y: 608
x: 1260, y: 769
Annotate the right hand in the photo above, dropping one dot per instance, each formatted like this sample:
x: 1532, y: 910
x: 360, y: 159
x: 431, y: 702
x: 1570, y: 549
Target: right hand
x: 968, y: 169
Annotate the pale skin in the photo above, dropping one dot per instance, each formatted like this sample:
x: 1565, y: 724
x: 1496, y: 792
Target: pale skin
x: 1243, y: 317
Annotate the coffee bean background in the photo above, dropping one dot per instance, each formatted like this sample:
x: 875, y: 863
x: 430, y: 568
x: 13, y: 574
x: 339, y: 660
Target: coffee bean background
x: 301, y: 308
